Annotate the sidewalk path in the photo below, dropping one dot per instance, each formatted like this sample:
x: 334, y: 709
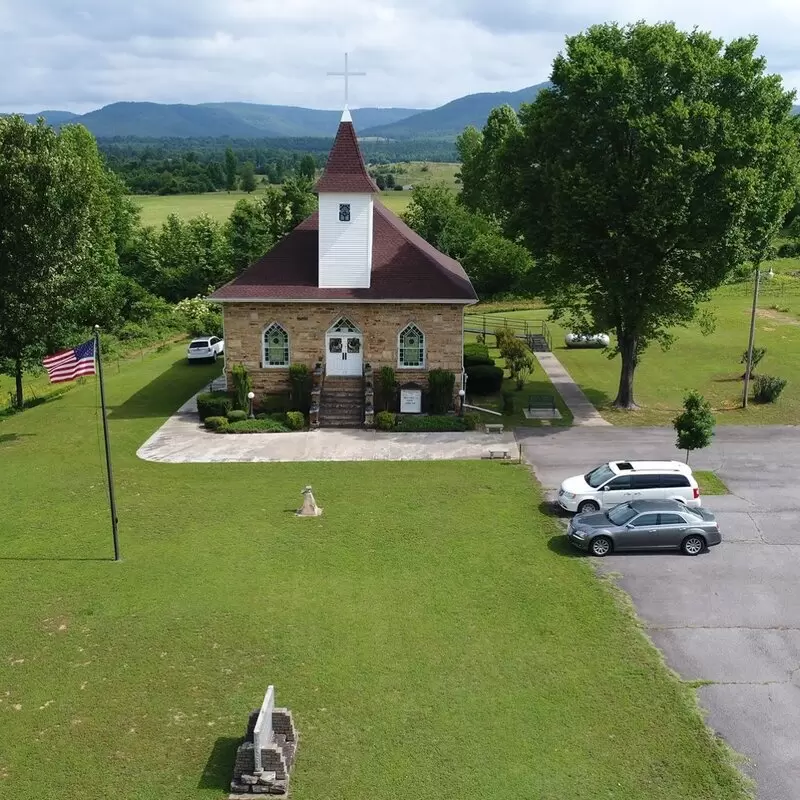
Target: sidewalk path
x: 583, y: 412
x: 181, y: 439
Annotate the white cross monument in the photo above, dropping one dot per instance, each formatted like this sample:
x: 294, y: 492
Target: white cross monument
x: 346, y: 75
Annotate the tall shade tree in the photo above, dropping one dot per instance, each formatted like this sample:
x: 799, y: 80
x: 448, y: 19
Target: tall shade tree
x: 248, y: 177
x: 482, y: 163
x: 658, y: 161
x: 231, y: 169
x: 62, y: 219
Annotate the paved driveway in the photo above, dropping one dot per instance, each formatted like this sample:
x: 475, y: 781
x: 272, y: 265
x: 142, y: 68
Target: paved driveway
x: 732, y: 615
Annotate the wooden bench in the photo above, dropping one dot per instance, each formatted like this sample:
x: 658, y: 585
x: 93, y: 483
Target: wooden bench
x: 493, y: 427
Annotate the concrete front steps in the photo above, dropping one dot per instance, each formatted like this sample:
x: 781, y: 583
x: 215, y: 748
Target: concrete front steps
x: 342, y: 402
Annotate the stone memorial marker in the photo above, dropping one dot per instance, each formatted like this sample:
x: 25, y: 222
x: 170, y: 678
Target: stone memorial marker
x: 266, y: 757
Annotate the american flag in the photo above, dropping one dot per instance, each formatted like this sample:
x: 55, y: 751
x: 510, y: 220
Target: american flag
x: 70, y: 364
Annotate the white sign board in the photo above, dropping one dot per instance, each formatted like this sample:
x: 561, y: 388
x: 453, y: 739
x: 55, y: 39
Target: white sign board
x: 262, y: 733
x: 410, y: 401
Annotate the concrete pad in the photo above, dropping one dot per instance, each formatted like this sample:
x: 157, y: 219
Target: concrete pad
x: 181, y: 439
x: 541, y: 413
x: 761, y: 721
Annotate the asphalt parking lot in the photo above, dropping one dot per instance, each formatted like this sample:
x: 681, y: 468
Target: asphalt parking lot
x: 730, y: 615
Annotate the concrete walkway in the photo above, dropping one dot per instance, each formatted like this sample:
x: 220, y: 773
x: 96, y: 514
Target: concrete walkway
x: 583, y: 412
x: 181, y: 439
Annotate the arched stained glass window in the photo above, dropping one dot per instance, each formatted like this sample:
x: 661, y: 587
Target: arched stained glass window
x: 411, y: 347
x: 276, y: 346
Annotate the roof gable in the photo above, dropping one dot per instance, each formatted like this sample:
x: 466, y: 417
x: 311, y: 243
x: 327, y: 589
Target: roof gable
x: 404, y: 267
x: 345, y: 170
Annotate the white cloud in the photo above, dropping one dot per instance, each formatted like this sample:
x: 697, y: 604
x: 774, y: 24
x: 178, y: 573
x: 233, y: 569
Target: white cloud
x: 81, y: 54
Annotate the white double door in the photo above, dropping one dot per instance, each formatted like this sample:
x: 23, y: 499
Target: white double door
x: 344, y: 354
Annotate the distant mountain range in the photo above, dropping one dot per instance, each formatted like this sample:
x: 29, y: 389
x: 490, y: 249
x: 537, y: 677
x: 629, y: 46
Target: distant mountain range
x: 253, y: 121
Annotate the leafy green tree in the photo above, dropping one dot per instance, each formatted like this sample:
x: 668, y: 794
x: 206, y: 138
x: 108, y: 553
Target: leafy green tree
x: 285, y: 207
x: 429, y: 210
x: 380, y: 181
x: 658, y: 161
x: 59, y: 223
x: 482, y: 154
x: 307, y: 168
x: 248, y: 234
x: 695, y: 424
x: 231, y: 169
x: 247, y: 177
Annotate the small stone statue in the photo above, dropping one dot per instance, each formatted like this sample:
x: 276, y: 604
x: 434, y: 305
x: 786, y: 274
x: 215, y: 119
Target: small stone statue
x: 310, y: 507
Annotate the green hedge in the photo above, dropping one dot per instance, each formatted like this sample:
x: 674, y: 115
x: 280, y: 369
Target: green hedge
x: 434, y: 422
x: 216, y: 423
x: 384, y: 420
x: 476, y: 354
x: 295, y: 420
x: 440, y: 390
x: 213, y: 404
x: 767, y: 388
x: 483, y: 379
x: 255, y: 426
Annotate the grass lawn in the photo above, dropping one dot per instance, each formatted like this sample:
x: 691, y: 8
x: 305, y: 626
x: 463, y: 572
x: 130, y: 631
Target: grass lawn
x: 431, y: 632
x: 709, y: 482
x: 709, y: 364
x: 539, y: 384
x: 218, y: 205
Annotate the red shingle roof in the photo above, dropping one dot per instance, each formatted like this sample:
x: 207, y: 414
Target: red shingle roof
x: 404, y: 267
x: 345, y: 170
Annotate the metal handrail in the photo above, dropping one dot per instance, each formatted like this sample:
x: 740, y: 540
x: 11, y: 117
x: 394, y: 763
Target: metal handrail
x: 488, y: 323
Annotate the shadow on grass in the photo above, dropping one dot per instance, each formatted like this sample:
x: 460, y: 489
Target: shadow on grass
x: 218, y: 771
x: 7, y: 438
x: 561, y: 546
x: 167, y: 392
x: 53, y: 558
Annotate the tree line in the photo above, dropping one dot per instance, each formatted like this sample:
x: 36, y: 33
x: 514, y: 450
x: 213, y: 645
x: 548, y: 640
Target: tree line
x: 193, y: 166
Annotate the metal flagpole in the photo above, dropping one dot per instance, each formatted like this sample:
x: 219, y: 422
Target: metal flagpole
x: 112, y: 501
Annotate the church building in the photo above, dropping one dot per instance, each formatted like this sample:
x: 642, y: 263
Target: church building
x: 351, y: 285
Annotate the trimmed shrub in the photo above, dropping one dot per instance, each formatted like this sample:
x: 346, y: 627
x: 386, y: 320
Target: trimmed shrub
x: 236, y: 415
x: 472, y: 420
x: 477, y: 354
x: 476, y: 350
x: 440, y: 390
x: 508, y: 403
x: 789, y: 250
x: 301, y: 381
x: 273, y: 404
x: 483, y: 379
x: 255, y: 426
x: 503, y: 336
x: 385, y: 420
x: 213, y: 404
x: 434, y: 422
x: 385, y: 389
x: 767, y: 388
x: 241, y: 387
x: 216, y: 423
x: 295, y: 420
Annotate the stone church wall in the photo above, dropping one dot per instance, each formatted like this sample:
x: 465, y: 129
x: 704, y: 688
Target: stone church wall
x: 307, y: 324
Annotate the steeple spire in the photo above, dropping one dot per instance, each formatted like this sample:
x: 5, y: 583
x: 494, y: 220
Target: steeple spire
x: 345, y: 170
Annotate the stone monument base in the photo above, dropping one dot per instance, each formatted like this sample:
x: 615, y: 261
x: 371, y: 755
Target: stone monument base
x: 277, y: 759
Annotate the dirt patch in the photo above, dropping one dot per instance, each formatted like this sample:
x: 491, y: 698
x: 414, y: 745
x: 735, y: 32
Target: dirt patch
x: 777, y: 316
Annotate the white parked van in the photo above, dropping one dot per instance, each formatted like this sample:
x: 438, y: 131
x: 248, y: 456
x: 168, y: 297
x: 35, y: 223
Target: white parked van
x: 620, y: 481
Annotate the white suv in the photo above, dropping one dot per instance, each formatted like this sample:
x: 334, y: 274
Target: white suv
x: 620, y: 481
x: 208, y: 347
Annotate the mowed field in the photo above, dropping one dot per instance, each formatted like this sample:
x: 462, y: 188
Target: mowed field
x: 708, y: 363
x: 218, y: 205
x: 431, y: 632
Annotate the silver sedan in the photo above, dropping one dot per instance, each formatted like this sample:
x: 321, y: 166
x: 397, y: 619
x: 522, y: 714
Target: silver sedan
x: 645, y: 525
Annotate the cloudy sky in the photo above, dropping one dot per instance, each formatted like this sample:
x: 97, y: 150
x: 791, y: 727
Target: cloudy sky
x: 82, y: 54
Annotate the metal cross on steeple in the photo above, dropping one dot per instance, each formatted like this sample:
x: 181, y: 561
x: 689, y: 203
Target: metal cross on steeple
x: 346, y: 75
